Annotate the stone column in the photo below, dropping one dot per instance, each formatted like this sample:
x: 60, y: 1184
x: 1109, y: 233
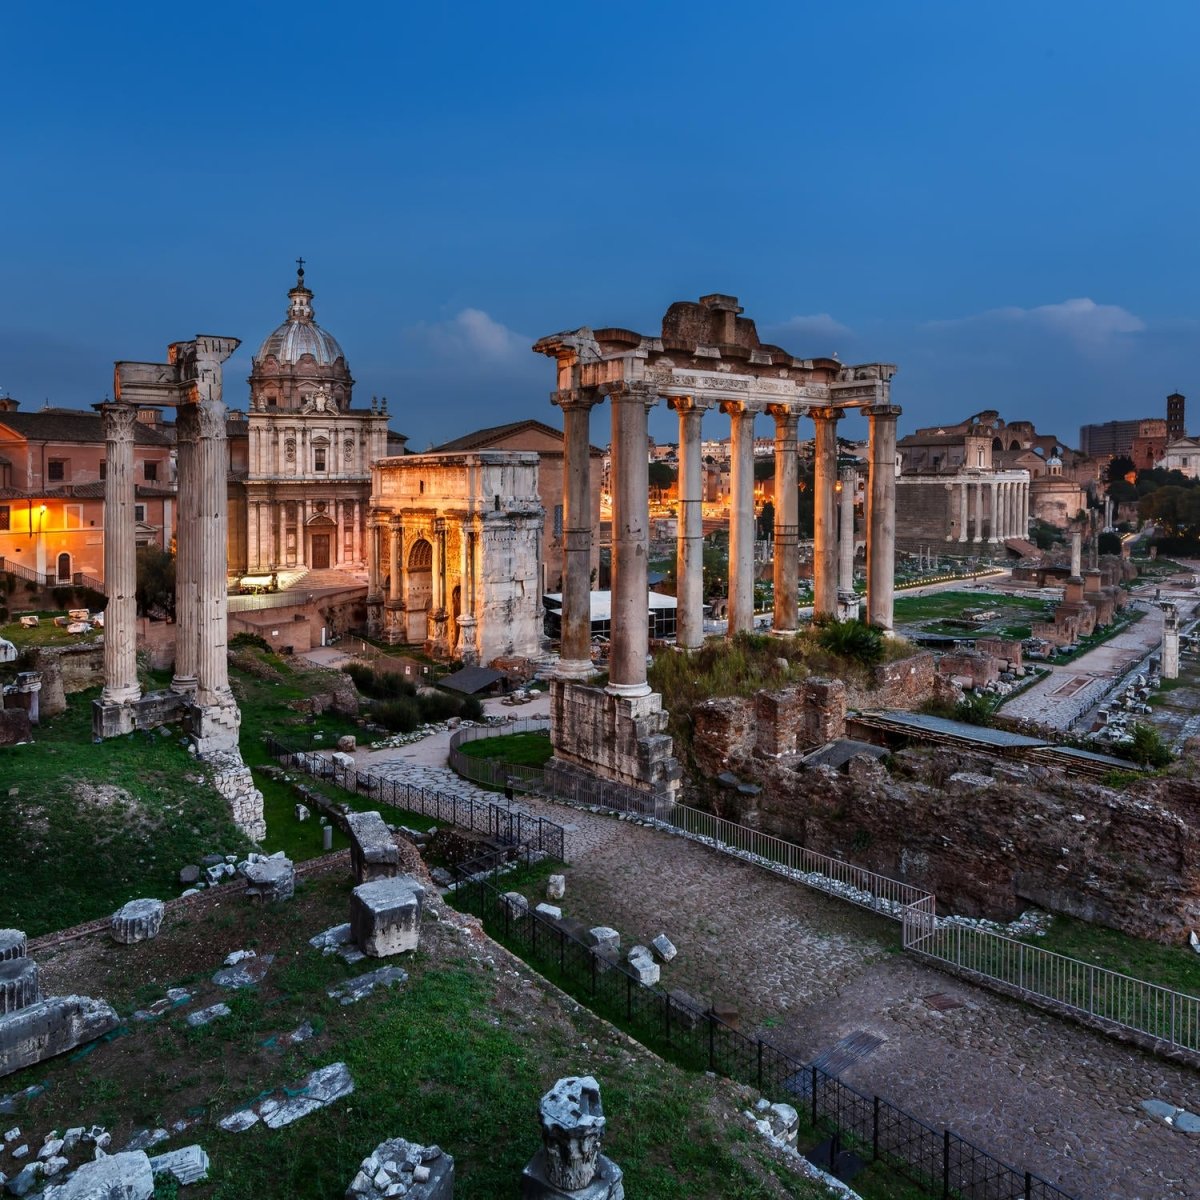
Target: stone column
x: 689, y: 541
x: 1170, y: 643
x: 630, y: 541
x: 1025, y: 509
x: 396, y: 563
x: 846, y: 485
x: 963, y: 516
x: 994, y: 525
x: 978, y: 512
x: 120, y: 557
x: 212, y: 666
x: 374, y: 592
x: 881, y: 513
x: 575, y: 653
x: 187, y: 597
x: 741, y: 517
x: 824, y: 515
x: 1076, y: 555
x: 787, y: 520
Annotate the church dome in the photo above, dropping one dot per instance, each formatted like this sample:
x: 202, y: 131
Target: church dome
x: 300, y: 334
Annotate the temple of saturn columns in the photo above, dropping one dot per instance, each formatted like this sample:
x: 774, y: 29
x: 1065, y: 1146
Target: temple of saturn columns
x: 707, y: 357
x: 199, y: 695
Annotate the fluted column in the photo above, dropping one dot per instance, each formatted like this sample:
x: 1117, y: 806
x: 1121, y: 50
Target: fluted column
x: 993, y: 487
x: 120, y: 557
x: 963, y: 515
x: 575, y: 652
x: 374, y: 554
x: 881, y: 513
x: 396, y: 561
x: 689, y: 541
x: 187, y: 596
x: 978, y: 487
x: 212, y: 667
x: 1025, y: 509
x: 787, y: 519
x: 630, y: 541
x: 741, y: 517
x: 847, y: 481
x: 824, y: 515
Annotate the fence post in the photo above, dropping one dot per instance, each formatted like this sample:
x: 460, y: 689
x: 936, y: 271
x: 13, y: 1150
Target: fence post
x: 875, y: 1130
x: 667, y: 1017
x: 592, y: 956
x: 562, y: 951
x: 1028, y: 1186
x: 946, y: 1165
x: 760, y: 1082
x: 628, y: 996
x: 712, y: 1056
x: 814, y: 1095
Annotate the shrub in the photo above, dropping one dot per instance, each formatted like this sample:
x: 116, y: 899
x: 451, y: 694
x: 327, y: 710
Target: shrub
x: 472, y: 709
x: 854, y: 640
x: 1148, y: 748
x: 240, y: 640
x: 400, y: 715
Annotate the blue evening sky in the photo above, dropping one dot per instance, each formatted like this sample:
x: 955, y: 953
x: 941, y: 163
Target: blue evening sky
x: 999, y: 198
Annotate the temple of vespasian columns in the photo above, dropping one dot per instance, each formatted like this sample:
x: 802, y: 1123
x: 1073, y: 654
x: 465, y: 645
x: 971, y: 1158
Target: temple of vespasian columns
x: 707, y: 357
x: 199, y: 695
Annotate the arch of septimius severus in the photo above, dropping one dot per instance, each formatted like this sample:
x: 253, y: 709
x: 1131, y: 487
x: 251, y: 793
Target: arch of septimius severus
x: 708, y: 358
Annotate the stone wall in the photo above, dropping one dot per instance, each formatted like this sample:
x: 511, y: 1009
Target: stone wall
x: 978, y: 670
x: 989, y: 838
x: 906, y: 683
x: 77, y: 667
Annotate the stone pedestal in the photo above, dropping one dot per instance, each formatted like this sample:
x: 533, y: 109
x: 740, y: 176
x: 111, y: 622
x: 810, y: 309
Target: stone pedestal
x: 385, y: 915
x: 425, y: 1173
x: 570, y: 1164
x: 619, y: 738
x: 373, y: 851
x: 137, y: 921
x: 19, y: 984
x: 269, y: 877
x: 607, y: 1183
x: 1170, y: 644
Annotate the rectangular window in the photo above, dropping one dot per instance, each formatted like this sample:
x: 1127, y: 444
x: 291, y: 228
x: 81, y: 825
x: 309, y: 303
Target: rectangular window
x: 56, y: 470
x: 319, y: 458
x: 139, y: 512
x: 72, y: 516
x: 151, y: 472
x: 5, y: 516
x: 103, y: 470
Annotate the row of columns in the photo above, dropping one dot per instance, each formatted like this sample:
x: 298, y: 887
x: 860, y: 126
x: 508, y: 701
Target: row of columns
x: 1004, y: 502
x: 269, y: 517
x: 630, y: 404
x: 201, y: 669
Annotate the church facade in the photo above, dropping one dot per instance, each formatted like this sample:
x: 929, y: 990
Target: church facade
x: 300, y: 462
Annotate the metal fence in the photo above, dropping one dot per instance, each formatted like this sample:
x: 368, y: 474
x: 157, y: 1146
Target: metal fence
x: 1167, y: 1019
x: 497, y: 821
x: 939, y: 1160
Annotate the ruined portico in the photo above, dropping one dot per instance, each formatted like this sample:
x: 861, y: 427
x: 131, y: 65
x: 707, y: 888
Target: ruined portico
x: 191, y: 382
x: 708, y: 357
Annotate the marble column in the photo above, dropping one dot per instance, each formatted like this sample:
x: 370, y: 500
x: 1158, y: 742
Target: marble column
x: 1025, y: 509
x: 824, y: 513
x: 787, y: 520
x: 741, y: 517
x: 689, y: 541
x: 374, y: 593
x: 847, y: 480
x: 881, y: 513
x: 187, y: 597
x: 978, y: 487
x: 994, y: 488
x: 575, y: 651
x: 120, y: 557
x: 963, y: 515
x: 396, y: 564
x: 212, y: 665
x: 630, y: 541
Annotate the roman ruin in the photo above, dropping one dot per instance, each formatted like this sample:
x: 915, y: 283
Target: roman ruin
x: 707, y: 357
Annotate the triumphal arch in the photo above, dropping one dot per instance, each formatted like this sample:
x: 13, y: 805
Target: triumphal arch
x: 707, y: 358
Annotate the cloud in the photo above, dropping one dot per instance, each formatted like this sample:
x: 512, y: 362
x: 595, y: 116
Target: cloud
x: 1082, y: 321
x: 473, y: 332
x: 818, y: 325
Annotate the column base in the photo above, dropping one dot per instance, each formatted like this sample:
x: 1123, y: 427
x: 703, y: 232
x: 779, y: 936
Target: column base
x: 185, y: 685
x: 606, y: 1183
x: 395, y: 623
x: 631, y: 691
x: 782, y: 633
x: 437, y: 643
x: 574, y: 669
x: 466, y: 649
x: 110, y: 719
x: 849, y: 606
x: 375, y: 620
x: 214, y: 728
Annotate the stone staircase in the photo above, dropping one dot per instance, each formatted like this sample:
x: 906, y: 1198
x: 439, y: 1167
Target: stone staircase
x: 326, y: 581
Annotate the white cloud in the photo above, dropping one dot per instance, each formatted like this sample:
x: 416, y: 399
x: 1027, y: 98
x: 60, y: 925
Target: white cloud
x: 473, y: 332
x: 818, y: 325
x: 1088, y: 324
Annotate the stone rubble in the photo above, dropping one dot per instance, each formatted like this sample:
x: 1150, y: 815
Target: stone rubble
x: 268, y: 877
x: 205, y: 1016
x: 401, y: 1168
x: 664, y: 948
x: 641, y: 961
x: 245, y: 974
x: 186, y: 1165
x: 338, y: 940
x: 320, y: 1088
x: 145, y: 1139
x: 355, y: 989
x: 113, y: 1177
x: 556, y: 887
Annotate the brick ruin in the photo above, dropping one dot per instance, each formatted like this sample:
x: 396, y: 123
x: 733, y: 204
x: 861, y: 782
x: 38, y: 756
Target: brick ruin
x: 988, y: 836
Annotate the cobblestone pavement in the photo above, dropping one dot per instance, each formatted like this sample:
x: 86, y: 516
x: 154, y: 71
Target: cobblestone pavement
x: 805, y: 970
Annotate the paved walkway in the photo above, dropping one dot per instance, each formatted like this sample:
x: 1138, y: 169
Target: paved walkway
x: 806, y: 971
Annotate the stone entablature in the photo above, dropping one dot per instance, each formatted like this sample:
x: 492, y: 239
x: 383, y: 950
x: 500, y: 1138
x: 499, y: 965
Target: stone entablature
x: 453, y: 554
x: 967, y: 509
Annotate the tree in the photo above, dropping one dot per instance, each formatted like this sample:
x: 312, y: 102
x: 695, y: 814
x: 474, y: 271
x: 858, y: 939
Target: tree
x: 661, y: 476
x: 1109, y: 543
x: 1119, y: 466
x: 764, y: 468
x: 1147, y: 747
x: 766, y: 521
x: 155, y: 583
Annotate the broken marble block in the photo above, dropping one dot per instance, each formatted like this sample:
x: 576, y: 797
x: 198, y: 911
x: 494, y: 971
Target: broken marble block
x: 570, y: 1164
x: 373, y: 851
x: 556, y: 887
x: 113, y: 1177
x: 19, y: 984
x: 49, y: 1027
x: 603, y: 937
x: 401, y: 1168
x: 137, y: 921
x: 642, y: 963
x: 385, y: 915
x: 269, y: 876
x: 664, y: 947
x: 186, y: 1165
x: 12, y: 944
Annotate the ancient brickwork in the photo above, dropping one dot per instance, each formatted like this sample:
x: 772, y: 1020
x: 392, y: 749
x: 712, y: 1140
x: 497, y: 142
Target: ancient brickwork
x: 978, y: 670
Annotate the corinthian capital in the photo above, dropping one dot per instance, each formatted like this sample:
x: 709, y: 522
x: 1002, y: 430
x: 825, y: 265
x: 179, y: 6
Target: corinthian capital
x: 120, y: 421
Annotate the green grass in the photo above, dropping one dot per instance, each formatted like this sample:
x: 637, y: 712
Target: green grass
x: 516, y: 749
x: 910, y: 609
x: 1175, y: 967
x: 73, y: 854
x: 44, y: 634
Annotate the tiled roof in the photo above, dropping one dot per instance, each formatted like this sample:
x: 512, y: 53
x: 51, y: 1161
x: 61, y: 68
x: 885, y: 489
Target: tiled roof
x: 73, y: 425
x: 482, y: 438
